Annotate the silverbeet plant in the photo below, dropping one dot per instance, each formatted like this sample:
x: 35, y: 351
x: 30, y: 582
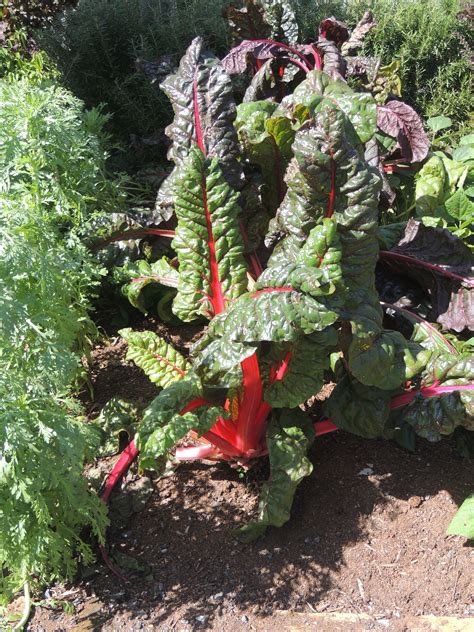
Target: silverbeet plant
x: 300, y: 161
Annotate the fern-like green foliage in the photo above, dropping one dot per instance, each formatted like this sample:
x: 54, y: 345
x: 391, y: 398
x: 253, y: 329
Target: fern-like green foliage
x: 51, y: 181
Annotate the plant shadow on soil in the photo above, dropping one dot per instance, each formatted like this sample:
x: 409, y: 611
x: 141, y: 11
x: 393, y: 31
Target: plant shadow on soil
x: 355, y: 542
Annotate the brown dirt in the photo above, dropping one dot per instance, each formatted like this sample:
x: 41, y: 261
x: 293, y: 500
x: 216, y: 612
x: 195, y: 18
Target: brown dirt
x: 359, y: 540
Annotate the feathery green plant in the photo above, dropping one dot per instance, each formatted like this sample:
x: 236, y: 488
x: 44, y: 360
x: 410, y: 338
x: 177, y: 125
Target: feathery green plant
x: 53, y: 180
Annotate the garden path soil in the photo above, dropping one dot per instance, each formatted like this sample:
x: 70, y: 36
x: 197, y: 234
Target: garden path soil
x: 367, y: 535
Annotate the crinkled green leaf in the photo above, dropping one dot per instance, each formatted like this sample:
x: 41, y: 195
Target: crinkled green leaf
x: 358, y: 408
x: 165, y: 437
x: 305, y: 374
x: 448, y: 368
x: 158, y: 359
x: 217, y: 362
x: 212, y: 267
x: 387, y: 361
x: 438, y: 413
x: 144, y: 274
x: 202, y: 99
x: 163, y: 425
x: 463, y: 521
x: 288, y: 440
x: 276, y: 316
x: 255, y: 213
x: 434, y: 417
x: 325, y: 160
x: 360, y: 108
x: 317, y: 270
x: 424, y: 333
x: 267, y: 141
x: 116, y: 416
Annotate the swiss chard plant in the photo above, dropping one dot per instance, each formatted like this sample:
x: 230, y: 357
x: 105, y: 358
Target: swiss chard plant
x: 273, y: 210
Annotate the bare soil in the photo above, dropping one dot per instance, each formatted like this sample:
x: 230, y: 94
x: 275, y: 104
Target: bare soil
x: 367, y: 535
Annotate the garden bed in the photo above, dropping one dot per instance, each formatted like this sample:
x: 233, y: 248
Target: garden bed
x: 376, y: 547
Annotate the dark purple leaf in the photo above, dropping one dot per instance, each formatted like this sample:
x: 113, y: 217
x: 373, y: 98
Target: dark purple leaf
x: 399, y: 120
x: 238, y: 59
x: 439, y: 262
x: 334, y: 63
x: 247, y: 23
x: 333, y: 30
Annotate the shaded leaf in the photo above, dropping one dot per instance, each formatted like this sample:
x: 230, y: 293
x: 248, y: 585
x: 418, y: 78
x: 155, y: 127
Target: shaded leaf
x: 288, y: 440
x: 334, y: 63
x: 160, y: 273
x: 266, y: 140
x: 204, y: 110
x: 389, y: 361
x: 248, y: 22
x: 359, y: 409
x: 308, y: 359
x: 163, y: 424
x: 116, y: 416
x: 282, y: 20
x: 443, y: 266
x: 334, y: 30
x: 237, y: 60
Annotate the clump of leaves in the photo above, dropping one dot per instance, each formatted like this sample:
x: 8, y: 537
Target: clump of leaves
x: 305, y: 152
x: 445, y: 185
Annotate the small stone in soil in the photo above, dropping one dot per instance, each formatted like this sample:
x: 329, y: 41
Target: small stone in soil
x: 244, y: 618
x: 202, y: 618
x: 415, y: 501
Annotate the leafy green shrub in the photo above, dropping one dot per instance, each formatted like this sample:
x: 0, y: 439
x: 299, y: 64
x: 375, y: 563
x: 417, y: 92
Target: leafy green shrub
x: 52, y: 181
x: 96, y: 46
